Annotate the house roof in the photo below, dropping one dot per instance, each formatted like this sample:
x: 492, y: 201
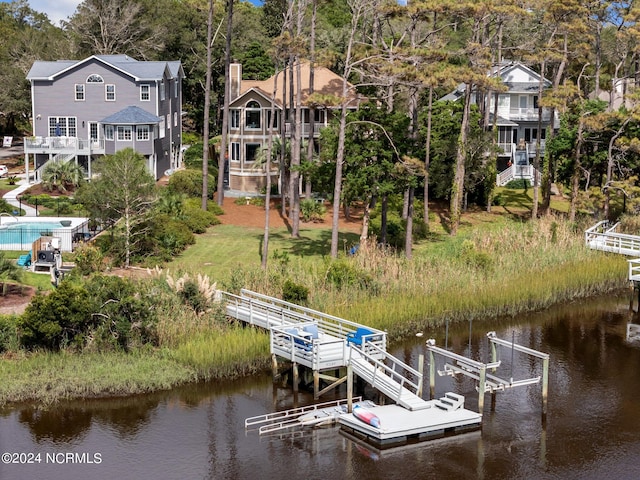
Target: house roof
x: 502, y: 122
x: 503, y: 70
x: 131, y: 115
x: 139, y: 71
x: 325, y: 83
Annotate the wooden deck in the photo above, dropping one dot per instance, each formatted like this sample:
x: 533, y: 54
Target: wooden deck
x: 324, y: 342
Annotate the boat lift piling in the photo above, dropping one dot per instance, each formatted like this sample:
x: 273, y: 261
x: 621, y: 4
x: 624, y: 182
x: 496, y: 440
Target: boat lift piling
x: 487, y: 381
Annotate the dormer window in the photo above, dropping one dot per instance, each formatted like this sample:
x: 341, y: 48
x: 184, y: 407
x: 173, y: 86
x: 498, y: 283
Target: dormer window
x: 95, y: 78
x: 253, y: 115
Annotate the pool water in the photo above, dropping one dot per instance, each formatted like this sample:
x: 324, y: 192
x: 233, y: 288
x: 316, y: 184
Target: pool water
x: 23, y: 234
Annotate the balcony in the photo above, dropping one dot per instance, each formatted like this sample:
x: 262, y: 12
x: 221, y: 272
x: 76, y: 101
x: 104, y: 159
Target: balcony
x: 528, y: 115
x: 305, y: 129
x: 56, y: 145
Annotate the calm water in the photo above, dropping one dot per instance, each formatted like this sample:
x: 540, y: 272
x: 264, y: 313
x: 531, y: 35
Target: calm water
x: 592, y: 430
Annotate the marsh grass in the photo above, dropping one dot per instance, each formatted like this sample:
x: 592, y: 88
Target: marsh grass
x: 236, y: 351
x: 49, y: 377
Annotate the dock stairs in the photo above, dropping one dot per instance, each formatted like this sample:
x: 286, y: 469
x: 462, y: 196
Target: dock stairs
x: 324, y: 342
x: 450, y: 402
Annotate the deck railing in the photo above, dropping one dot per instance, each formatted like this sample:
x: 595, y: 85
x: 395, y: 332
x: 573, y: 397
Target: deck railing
x: 602, y: 236
x: 81, y: 146
x: 386, y: 373
x: 334, y: 326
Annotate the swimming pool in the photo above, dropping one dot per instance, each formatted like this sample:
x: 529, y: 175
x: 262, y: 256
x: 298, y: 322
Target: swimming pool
x: 19, y: 234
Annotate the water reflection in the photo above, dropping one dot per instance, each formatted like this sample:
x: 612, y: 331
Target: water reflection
x: 592, y: 428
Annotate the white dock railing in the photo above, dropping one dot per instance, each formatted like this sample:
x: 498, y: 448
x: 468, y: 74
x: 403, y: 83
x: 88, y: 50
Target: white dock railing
x: 390, y: 378
x: 602, y: 236
x: 290, y: 312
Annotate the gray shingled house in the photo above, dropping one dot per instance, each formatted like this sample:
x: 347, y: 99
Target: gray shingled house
x: 83, y: 109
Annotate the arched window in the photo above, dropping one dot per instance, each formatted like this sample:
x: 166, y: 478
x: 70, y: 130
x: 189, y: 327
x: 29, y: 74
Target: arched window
x: 95, y: 78
x: 253, y: 114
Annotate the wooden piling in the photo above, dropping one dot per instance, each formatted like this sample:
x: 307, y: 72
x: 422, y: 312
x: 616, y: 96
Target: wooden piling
x: 432, y: 375
x: 481, y: 388
x: 421, y: 371
x: 316, y: 384
x: 545, y: 385
x: 296, y: 378
x: 349, y: 389
x: 274, y: 366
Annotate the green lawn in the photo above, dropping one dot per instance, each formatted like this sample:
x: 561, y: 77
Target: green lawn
x: 226, y: 247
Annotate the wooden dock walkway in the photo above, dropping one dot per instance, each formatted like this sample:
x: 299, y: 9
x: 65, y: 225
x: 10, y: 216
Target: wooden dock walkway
x: 604, y: 237
x: 324, y: 342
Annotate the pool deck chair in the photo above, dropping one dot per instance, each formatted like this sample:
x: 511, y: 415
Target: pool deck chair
x: 359, y: 336
x: 24, y: 260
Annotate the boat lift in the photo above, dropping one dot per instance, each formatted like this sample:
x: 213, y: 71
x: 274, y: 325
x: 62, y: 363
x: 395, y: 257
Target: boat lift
x: 487, y: 382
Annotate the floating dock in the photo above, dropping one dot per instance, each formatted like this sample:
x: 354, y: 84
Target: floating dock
x: 399, y: 426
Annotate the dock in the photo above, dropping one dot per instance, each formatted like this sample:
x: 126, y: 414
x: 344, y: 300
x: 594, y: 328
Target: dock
x: 325, y: 344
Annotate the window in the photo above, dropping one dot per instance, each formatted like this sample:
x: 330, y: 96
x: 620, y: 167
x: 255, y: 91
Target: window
x: 79, y: 92
x: 251, y: 152
x: 110, y: 92
x: 142, y: 132
x: 275, y: 119
x: 318, y: 115
x: 524, y: 100
x: 168, y: 120
x: 108, y: 132
x: 252, y: 112
x: 235, y: 119
x: 62, y: 127
x: 124, y: 133
x: 175, y: 119
x: 95, y: 78
x: 535, y: 101
x: 235, y: 152
x: 145, y: 93
x: 161, y: 128
x: 162, y: 90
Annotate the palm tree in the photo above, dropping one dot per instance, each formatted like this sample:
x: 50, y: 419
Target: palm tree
x: 62, y: 175
x: 8, y: 271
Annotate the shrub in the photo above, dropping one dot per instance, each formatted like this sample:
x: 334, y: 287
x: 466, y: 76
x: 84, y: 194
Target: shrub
x: 88, y: 259
x: 189, y: 183
x: 310, y: 210
x: 8, y: 333
x: 294, y: 292
x: 518, y: 184
x: 342, y: 273
x: 212, y: 206
x: 199, y: 220
x: 58, y: 319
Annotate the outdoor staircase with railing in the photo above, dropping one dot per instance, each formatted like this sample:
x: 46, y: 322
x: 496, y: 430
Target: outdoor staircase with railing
x: 59, y: 158
x: 389, y: 376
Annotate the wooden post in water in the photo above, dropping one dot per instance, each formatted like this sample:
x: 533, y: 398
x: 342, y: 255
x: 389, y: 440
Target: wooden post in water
x: 349, y: 389
x: 296, y: 378
x: 274, y: 366
x: 481, y: 388
x: 316, y: 384
x: 632, y: 289
x: 421, y: 370
x: 432, y: 375
x: 494, y: 359
x: 545, y: 385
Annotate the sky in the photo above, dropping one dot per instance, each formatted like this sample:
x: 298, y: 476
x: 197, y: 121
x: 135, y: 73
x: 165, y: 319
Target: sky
x: 58, y: 10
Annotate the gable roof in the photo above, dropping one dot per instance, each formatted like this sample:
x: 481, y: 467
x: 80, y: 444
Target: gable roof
x: 505, y: 70
x: 131, y: 115
x: 325, y: 83
x: 138, y: 70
